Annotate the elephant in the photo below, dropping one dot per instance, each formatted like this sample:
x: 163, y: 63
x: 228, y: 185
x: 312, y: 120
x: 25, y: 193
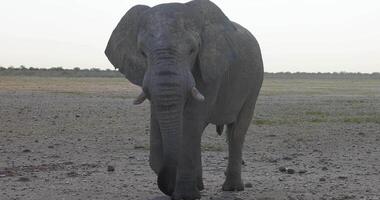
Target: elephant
x: 196, y: 67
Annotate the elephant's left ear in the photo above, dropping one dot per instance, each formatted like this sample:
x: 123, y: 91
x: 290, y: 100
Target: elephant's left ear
x: 216, y: 53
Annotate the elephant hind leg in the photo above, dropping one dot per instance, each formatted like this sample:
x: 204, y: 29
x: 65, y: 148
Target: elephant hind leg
x: 235, y: 137
x: 156, y: 155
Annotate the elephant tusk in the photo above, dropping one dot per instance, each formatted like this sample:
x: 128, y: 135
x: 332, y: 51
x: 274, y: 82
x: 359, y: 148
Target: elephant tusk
x: 196, y: 94
x: 141, y: 98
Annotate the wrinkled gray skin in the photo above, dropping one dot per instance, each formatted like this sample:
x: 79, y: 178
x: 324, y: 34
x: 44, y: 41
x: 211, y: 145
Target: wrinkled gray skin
x: 180, y: 54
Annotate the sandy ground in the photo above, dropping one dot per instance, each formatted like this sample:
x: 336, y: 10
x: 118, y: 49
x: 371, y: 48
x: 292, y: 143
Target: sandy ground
x: 61, y: 137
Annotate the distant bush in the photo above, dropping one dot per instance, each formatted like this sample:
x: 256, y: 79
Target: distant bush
x: 95, y: 70
x: 57, y: 69
x: 319, y: 75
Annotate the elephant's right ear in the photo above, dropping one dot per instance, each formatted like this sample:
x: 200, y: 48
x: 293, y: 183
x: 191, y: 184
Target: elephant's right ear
x: 122, y: 50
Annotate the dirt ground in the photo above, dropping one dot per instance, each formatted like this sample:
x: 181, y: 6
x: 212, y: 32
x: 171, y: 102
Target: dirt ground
x: 81, y: 138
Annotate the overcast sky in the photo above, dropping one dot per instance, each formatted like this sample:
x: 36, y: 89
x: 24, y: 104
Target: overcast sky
x: 295, y: 35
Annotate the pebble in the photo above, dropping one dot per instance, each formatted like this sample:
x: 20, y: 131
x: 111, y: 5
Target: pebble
x: 322, y: 179
x: 290, y: 171
x: 287, y: 158
x: 243, y: 163
x: 286, y: 170
x: 342, y: 177
x: 72, y: 174
x: 23, y: 179
x: 110, y: 168
x: 302, y: 171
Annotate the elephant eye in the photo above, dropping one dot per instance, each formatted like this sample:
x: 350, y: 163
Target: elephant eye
x: 143, y: 54
x: 192, y: 51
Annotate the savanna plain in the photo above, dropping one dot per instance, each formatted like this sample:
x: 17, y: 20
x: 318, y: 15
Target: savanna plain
x: 81, y: 138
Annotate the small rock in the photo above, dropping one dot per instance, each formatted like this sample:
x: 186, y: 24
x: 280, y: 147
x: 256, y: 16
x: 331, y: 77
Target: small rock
x: 110, y: 168
x: 77, y: 115
x: 248, y: 185
x: 282, y: 169
x: 23, y: 179
x: 138, y: 174
x: 287, y: 158
x: 243, y: 163
x: 324, y: 168
x: 342, y: 177
x: 302, y: 171
x: 271, y: 135
x: 68, y: 163
x: 322, y: 179
x: 26, y: 151
x: 50, y: 146
x: 361, y: 134
x: 72, y: 174
x: 290, y: 171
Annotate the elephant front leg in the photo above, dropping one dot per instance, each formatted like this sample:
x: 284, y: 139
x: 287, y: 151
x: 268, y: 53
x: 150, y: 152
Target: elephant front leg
x: 189, y: 170
x: 155, y: 156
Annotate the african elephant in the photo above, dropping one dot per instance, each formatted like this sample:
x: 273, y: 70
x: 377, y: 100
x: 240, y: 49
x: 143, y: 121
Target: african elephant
x: 196, y: 67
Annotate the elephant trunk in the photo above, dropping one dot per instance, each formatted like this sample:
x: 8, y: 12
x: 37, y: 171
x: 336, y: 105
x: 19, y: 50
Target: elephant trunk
x: 168, y: 86
x: 170, y: 117
x: 168, y: 89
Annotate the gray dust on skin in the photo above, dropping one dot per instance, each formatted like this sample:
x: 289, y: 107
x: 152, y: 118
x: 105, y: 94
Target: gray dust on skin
x: 73, y: 138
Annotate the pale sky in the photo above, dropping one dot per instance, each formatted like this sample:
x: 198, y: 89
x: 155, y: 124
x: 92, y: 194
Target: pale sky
x: 295, y: 35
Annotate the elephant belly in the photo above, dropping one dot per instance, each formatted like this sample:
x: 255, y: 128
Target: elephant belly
x: 231, y: 97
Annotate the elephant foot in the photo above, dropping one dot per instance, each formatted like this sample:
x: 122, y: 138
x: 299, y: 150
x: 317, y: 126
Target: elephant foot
x: 233, y: 185
x: 186, y: 191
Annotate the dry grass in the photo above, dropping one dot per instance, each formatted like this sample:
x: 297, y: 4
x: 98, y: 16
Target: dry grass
x: 75, y: 86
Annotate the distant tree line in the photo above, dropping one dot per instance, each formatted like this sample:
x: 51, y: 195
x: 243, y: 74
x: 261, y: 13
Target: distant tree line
x: 58, y: 71
x: 324, y: 75
x: 96, y: 72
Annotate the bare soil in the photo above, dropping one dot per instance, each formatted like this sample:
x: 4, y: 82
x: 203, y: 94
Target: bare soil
x: 81, y: 138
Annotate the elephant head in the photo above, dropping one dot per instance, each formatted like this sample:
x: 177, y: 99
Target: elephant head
x: 164, y: 49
